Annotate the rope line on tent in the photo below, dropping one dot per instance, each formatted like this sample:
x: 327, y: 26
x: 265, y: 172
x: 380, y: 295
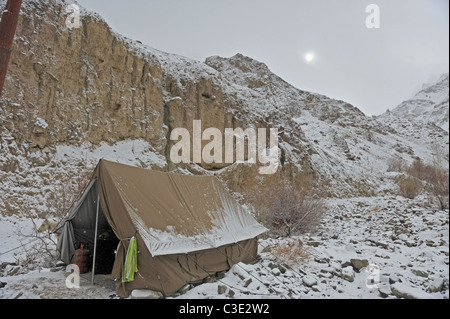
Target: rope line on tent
x: 30, y: 242
x: 227, y: 284
x: 280, y: 261
x: 262, y: 265
x: 237, y: 264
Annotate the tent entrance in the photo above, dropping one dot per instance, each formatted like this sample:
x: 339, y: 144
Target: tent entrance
x: 107, y: 243
x: 91, y: 227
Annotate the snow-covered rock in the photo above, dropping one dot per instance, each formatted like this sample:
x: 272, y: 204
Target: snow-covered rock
x: 402, y: 290
x: 145, y: 294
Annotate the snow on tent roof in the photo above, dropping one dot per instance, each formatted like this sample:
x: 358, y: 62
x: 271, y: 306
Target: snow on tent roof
x: 178, y: 213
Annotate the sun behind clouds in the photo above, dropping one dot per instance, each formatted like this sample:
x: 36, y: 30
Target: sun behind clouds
x: 309, y: 57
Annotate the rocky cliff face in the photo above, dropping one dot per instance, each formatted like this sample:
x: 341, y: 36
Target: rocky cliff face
x: 75, y: 96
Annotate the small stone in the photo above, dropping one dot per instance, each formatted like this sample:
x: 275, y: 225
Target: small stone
x: 317, y: 289
x: 393, y: 279
x: 209, y: 279
x: 437, y: 285
x: 314, y: 243
x: 282, y: 269
x: 347, y: 264
x: 276, y: 271
x: 384, y: 290
x: 411, y: 243
x: 348, y: 274
x: 145, y: 294
x: 309, y: 281
x: 56, y: 269
x: 401, y: 290
x: 221, y: 275
x: 221, y: 289
x: 359, y: 264
x: 420, y: 273
x: 184, y: 289
x: 247, y: 283
x: 272, y: 266
x: 231, y: 293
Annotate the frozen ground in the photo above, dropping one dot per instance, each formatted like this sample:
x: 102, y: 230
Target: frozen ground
x: 365, y: 248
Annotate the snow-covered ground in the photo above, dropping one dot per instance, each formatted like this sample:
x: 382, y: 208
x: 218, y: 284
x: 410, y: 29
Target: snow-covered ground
x: 377, y: 247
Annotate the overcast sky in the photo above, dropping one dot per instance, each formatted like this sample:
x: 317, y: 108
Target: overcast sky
x: 374, y: 69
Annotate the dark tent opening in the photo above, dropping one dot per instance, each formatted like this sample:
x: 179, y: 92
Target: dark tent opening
x: 83, y: 221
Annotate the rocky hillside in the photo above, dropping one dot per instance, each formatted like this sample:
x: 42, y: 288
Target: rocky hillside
x: 429, y: 105
x: 424, y: 117
x: 73, y: 96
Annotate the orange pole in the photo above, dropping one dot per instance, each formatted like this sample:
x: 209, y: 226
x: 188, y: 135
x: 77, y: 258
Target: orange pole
x: 8, y: 25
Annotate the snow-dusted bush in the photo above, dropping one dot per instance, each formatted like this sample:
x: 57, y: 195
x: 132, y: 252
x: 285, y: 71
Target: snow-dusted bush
x: 286, y: 211
x: 409, y: 186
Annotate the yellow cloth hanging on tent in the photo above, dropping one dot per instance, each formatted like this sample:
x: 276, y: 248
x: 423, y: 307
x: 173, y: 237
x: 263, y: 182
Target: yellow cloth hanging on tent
x: 131, y: 261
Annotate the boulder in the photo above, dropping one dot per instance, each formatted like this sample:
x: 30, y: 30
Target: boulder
x: 393, y: 279
x: 437, y: 285
x: 420, y: 273
x: 309, y: 281
x: 401, y: 290
x: 221, y: 289
x: 359, y: 264
x: 145, y: 294
x: 384, y: 290
x: 348, y: 274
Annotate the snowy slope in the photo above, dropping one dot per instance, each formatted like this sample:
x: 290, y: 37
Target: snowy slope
x: 430, y: 105
x: 425, y: 117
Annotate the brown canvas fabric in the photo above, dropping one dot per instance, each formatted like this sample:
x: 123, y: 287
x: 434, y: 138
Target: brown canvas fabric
x: 187, y: 227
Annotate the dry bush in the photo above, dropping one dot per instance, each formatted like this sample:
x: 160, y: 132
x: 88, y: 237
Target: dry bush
x: 437, y: 183
x: 418, y: 169
x: 435, y: 178
x: 409, y: 186
x: 68, y: 192
x: 41, y: 247
x: 396, y: 164
x: 292, y: 253
x: 286, y: 211
x: 43, y: 240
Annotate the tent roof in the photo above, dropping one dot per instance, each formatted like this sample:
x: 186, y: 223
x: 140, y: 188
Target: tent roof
x: 177, y: 213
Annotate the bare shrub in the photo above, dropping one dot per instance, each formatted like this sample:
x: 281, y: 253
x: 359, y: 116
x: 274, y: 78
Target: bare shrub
x: 435, y: 178
x: 437, y: 183
x: 396, y: 164
x: 43, y: 238
x: 40, y: 249
x: 409, y: 186
x: 417, y: 169
x: 286, y: 211
x: 68, y: 191
x: 291, y: 253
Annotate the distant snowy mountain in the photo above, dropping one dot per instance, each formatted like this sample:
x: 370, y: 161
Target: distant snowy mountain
x: 424, y: 118
x: 428, y: 106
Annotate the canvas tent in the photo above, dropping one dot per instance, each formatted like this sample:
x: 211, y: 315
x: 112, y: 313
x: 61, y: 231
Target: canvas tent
x: 187, y: 227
